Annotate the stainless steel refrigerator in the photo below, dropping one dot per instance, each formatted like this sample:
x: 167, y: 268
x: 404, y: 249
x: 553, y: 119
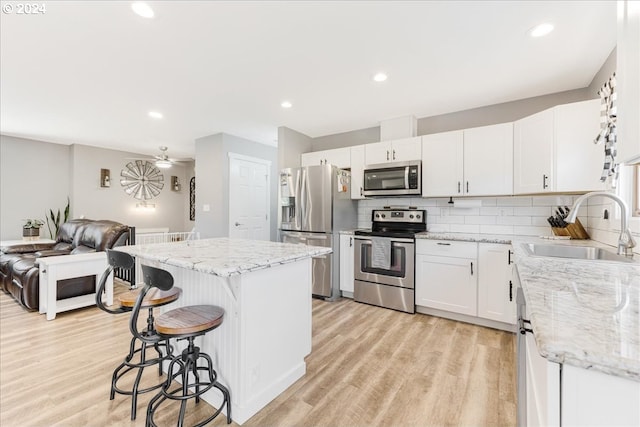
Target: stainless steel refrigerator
x: 315, y: 205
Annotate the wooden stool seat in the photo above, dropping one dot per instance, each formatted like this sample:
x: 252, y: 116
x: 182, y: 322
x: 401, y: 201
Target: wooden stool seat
x: 189, y: 320
x: 154, y: 298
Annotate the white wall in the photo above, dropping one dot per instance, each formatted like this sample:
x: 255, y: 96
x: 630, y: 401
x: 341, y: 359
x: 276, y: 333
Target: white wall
x: 36, y: 176
x: 212, y: 182
x: 94, y: 202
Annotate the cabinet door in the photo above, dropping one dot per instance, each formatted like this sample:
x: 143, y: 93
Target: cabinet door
x: 378, y: 152
x: 446, y: 284
x: 340, y: 157
x: 346, y: 263
x: 442, y: 167
x: 357, y: 171
x: 312, y: 159
x: 403, y: 150
x: 533, y: 153
x: 578, y: 161
x: 543, y: 387
x: 488, y: 160
x: 496, y: 292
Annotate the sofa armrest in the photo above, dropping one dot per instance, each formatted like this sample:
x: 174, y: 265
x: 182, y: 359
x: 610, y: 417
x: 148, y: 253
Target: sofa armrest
x: 51, y: 252
x: 26, y: 248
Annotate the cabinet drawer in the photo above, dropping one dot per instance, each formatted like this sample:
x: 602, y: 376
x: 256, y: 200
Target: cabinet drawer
x: 448, y: 248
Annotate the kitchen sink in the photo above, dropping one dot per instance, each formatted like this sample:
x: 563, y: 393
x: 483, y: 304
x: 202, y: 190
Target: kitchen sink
x: 574, y: 252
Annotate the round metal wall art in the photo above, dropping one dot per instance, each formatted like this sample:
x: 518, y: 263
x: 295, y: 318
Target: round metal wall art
x: 142, y: 180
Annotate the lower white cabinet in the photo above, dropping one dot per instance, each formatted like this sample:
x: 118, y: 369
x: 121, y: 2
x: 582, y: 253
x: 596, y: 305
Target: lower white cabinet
x: 572, y: 396
x: 346, y: 263
x: 496, y: 291
x: 469, y: 278
x: 446, y: 276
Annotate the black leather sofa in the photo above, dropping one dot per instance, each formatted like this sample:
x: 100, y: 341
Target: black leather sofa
x: 19, y: 273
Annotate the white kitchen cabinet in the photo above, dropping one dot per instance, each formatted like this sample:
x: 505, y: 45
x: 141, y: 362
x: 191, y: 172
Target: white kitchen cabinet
x: 496, y: 291
x: 357, y: 171
x: 553, y: 150
x: 346, y: 264
x: 399, y: 150
x: 442, y: 164
x: 446, y: 276
x: 543, y: 387
x: 488, y: 160
x: 568, y: 395
x: 340, y: 157
x: 470, y: 162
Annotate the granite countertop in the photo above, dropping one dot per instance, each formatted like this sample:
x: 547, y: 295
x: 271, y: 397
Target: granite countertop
x: 583, y: 313
x: 223, y: 256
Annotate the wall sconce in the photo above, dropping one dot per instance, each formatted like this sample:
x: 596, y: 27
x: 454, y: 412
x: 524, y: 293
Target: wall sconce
x: 105, y: 178
x: 175, y: 184
x: 146, y: 207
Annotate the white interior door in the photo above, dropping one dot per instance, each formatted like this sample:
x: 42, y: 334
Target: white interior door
x: 249, y: 197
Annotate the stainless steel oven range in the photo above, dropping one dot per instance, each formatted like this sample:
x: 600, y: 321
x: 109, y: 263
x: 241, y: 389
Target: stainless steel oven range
x: 384, y: 259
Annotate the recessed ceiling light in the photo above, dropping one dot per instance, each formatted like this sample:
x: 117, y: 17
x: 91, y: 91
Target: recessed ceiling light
x: 155, y: 115
x: 142, y: 9
x: 380, y: 77
x: 541, y: 30
x: 286, y: 104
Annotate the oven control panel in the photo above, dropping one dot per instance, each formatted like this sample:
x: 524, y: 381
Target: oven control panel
x: 416, y: 216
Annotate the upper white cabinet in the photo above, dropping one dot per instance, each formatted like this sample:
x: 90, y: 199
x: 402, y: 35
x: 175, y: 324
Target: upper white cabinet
x: 496, y: 292
x: 554, y: 151
x: 442, y: 164
x: 470, y: 162
x: 357, y: 171
x: 399, y: 150
x: 340, y: 157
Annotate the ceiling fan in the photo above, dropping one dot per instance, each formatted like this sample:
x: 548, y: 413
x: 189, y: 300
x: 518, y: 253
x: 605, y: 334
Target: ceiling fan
x: 163, y: 160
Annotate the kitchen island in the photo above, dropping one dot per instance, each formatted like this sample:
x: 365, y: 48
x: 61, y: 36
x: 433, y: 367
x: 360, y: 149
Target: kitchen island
x: 265, y: 290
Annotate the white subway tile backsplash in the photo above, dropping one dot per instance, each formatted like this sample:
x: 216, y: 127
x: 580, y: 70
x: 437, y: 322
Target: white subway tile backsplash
x: 464, y: 228
x: 532, y: 231
x: 480, y: 219
x: 521, y: 215
x: 515, y: 201
x: 496, y: 229
x: 533, y: 211
x: 513, y: 220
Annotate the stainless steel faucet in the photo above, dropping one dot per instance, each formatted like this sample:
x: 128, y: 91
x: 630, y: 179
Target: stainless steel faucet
x: 625, y: 241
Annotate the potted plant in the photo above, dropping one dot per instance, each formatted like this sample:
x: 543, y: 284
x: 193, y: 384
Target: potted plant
x: 31, y: 227
x: 54, y: 220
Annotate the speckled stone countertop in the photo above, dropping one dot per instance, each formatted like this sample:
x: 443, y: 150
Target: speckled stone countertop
x: 583, y: 313
x: 224, y: 256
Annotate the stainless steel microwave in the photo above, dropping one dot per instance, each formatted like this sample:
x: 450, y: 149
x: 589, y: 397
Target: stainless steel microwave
x: 393, y: 179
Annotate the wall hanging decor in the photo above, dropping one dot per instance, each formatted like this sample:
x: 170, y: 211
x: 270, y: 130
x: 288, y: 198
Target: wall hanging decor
x: 607, y: 135
x: 141, y: 180
x: 105, y: 178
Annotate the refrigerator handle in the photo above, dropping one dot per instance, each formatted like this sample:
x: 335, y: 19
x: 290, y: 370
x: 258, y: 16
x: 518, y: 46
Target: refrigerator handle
x: 298, y: 195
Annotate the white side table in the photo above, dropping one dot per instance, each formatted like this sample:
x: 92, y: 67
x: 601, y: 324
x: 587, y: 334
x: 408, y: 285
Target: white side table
x: 62, y: 267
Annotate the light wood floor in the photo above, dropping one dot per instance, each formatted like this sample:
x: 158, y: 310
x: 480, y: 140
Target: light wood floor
x: 369, y: 367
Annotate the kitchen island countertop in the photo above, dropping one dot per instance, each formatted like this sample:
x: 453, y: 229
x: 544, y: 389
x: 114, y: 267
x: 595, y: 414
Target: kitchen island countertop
x: 224, y: 256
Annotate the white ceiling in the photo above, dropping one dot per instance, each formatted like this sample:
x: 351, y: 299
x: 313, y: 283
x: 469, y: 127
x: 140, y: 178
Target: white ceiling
x: 89, y: 71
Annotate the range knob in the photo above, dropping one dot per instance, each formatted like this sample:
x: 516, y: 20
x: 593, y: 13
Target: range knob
x: 411, y: 216
x: 377, y: 215
x: 418, y: 216
x: 383, y: 215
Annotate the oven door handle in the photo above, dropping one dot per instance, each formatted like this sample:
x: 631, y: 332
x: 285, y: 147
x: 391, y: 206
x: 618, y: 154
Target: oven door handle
x: 393, y: 239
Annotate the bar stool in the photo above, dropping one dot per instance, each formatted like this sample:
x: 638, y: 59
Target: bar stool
x: 161, y: 345
x: 185, y: 323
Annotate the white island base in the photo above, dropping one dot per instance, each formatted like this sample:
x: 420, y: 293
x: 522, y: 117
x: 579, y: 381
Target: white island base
x: 260, y: 347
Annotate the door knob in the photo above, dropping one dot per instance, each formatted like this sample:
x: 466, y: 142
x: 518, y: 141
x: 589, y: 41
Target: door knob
x: 238, y: 224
